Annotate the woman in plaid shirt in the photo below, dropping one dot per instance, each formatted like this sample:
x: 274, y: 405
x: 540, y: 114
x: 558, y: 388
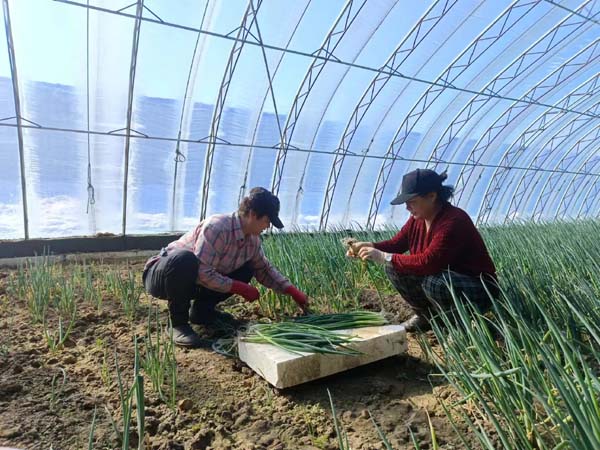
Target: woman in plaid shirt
x: 216, y: 259
x: 444, y: 247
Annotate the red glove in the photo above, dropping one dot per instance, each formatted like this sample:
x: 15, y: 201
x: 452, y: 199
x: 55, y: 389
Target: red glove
x: 249, y: 292
x: 299, y: 297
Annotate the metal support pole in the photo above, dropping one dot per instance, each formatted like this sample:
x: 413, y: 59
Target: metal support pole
x: 17, y: 101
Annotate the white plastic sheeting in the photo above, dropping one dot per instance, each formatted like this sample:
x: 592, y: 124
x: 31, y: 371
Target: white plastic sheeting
x: 108, y: 119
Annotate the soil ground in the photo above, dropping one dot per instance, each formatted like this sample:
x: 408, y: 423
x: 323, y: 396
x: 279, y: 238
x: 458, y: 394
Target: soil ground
x: 221, y: 403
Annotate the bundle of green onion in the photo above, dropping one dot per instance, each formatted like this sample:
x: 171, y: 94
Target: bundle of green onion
x: 343, y: 321
x: 314, y: 334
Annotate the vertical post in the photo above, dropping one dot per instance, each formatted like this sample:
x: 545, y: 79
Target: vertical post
x: 17, y: 100
x: 134, y: 52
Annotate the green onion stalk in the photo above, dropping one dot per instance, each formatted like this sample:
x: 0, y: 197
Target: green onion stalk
x: 314, y: 333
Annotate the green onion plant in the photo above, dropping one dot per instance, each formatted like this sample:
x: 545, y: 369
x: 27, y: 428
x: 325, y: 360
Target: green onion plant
x: 159, y: 361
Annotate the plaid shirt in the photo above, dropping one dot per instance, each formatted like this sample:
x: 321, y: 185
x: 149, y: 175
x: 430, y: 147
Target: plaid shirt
x: 221, y: 247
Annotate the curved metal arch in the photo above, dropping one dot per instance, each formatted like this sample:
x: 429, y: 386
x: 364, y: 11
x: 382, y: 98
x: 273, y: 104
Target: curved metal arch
x: 17, y: 103
x: 590, y: 199
x: 505, y: 21
x: 597, y: 213
x: 180, y: 157
x: 132, y: 69
x: 578, y: 192
x: 363, y: 158
x: 495, y: 130
x: 337, y: 32
x: 516, y: 149
x: 243, y: 187
x: 553, y: 80
x: 298, y: 52
x: 553, y: 185
x: 556, y: 180
x: 234, y: 56
x: 562, y: 167
x: 407, y: 46
x: 291, y: 51
x: 546, y: 44
x: 584, y: 169
x: 391, y: 107
x: 300, y: 189
x: 526, y: 184
x: 558, y: 5
x: 270, y: 81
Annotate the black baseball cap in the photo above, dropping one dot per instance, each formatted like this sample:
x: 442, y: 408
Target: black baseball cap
x: 263, y: 202
x: 419, y: 182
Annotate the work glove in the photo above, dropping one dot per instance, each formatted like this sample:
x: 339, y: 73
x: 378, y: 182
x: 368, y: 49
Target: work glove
x: 372, y: 254
x: 299, y: 297
x: 249, y: 292
x: 355, y: 247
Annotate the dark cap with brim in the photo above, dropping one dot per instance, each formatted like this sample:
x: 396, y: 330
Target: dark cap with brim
x: 263, y: 202
x: 418, y: 182
x: 402, y: 198
x: 276, y: 221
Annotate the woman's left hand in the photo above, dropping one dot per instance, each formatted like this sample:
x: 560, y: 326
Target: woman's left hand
x: 372, y: 254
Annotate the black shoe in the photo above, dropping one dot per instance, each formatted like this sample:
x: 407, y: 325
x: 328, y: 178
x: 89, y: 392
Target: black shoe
x: 214, y: 318
x: 185, y: 336
x: 417, y: 323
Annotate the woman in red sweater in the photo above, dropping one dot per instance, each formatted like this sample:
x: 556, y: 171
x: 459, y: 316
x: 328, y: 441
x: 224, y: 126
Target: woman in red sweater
x: 444, y: 247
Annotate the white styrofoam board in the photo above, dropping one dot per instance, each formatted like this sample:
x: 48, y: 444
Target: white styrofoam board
x: 284, y: 369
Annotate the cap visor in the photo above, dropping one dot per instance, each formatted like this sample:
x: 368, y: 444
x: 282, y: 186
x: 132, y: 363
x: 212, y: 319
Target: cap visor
x: 402, y: 198
x: 276, y: 222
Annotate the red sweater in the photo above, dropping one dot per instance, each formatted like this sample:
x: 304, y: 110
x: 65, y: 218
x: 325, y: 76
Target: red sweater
x: 452, y: 242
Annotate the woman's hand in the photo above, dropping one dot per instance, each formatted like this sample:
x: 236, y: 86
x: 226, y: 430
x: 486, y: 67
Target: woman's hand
x: 355, y: 248
x: 372, y: 254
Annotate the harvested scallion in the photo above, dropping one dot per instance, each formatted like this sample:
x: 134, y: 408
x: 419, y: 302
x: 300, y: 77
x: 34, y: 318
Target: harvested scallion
x: 343, y: 321
x: 300, y: 338
x: 315, y: 333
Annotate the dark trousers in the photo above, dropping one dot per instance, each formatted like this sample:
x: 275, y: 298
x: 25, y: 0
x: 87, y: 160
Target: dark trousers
x: 429, y: 294
x: 173, y: 278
